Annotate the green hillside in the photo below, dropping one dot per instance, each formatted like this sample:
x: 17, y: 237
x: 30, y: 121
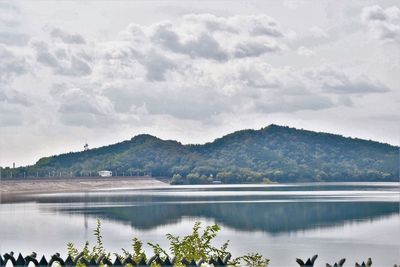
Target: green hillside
x: 277, y: 153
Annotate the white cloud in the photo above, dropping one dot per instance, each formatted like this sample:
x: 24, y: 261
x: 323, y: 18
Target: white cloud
x: 254, y: 49
x: 63, y: 60
x: 9, y: 14
x: 384, y: 24
x: 202, y: 45
x: 190, y: 77
x: 218, y: 38
x: 11, y: 64
x: 333, y: 80
x: 11, y: 96
x: 83, y: 107
x: 13, y: 38
x: 69, y: 38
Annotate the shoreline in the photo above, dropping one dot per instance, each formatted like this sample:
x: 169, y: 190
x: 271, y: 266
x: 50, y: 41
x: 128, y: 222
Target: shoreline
x: 12, y: 188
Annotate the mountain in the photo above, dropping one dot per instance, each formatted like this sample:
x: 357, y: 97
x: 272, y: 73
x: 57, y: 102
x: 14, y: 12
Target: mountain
x: 274, y: 153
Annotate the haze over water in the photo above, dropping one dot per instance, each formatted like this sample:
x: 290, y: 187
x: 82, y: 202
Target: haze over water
x: 282, y: 222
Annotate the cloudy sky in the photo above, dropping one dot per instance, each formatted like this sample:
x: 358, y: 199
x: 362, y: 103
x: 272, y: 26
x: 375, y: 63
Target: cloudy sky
x: 101, y: 72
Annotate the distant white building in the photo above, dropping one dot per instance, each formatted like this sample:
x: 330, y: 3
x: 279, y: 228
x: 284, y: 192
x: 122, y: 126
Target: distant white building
x: 105, y: 173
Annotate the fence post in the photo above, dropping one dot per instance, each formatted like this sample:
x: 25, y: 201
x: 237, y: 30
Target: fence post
x: 337, y: 264
x: 43, y: 262
x: 20, y: 260
x: 363, y: 264
x: 308, y: 263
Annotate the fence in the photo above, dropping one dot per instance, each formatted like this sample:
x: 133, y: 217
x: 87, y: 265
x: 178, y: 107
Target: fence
x: 103, y: 261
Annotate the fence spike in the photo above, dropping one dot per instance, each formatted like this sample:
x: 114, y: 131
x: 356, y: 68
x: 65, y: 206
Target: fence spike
x: 157, y: 260
x: 69, y: 262
x: 308, y: 263
x: 78, y: 258
x: 167, y: 263
x: 107, y: 262
x: 217, y: 262
x: 84, y: 261
x: 142, y: 262
x: 117, y: 262
x: 192, y: 264
x: 337, y: 264
x: 363, y: 264
x: 129, y: 260
x: 185, y: 262
x: 20, y: 260
x: 150, y: 261
x: 100, y: 259
x: 92, y: 263
x: 220, y: 262
x: 43, y: 262
x: 300, y: 262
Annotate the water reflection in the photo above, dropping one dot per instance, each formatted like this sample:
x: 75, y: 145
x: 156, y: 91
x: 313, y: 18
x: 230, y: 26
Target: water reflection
x: 280, y: 221
x: 268, y: 217
x: 272, y: 209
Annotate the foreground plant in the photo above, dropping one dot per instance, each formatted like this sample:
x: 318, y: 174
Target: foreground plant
x: 195, y: 247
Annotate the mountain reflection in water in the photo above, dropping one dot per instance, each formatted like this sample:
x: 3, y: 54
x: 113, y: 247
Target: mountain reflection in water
x: 282, y: 222
x: 272, y: 209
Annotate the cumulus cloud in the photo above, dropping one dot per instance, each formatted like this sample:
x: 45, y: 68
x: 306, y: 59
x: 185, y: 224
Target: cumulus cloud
x: 253, y: 24
x: 254, y: 49
x: 82, y: 107
x: 157, y: 65
x: 242, y: 85
x: 9, y: 14
x: 63, y: 60
x: 10, y: 34
x: 13, y: 38
x: 307, y: 101
x: 203, y: 45
x: 384, y: 24
x: 11, y: 64
x: 200, y: 67
x: 219, y: 38
x: 69, y: 38
x: 11, y: 96
x: 335, y: 81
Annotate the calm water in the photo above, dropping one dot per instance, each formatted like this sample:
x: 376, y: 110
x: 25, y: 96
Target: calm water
x: 282, y: 222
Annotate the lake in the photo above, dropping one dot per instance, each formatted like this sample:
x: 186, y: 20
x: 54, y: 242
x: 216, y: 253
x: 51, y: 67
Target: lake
x: 282, y: 222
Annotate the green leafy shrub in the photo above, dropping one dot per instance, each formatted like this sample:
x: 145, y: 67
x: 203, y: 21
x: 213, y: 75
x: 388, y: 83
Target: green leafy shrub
x: 195, y: 246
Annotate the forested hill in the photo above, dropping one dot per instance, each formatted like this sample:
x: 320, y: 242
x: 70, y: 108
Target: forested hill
x: 277, y: 153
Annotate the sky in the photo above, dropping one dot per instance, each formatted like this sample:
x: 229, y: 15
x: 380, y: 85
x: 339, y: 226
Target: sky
x: 100, y: 72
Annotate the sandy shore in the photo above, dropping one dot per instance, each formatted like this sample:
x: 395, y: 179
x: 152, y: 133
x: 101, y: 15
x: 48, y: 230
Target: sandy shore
x: 75, y: 185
